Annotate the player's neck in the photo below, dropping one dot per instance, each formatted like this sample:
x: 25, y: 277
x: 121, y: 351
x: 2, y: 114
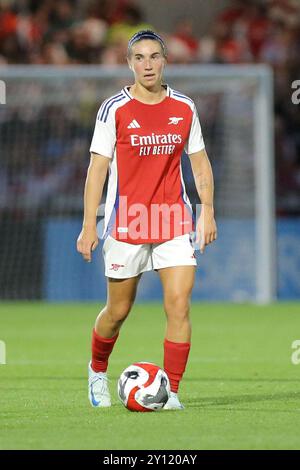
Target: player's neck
x: 148, y: 96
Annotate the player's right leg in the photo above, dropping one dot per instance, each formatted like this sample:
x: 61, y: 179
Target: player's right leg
x: 124, y: 263
x: 120, y: 298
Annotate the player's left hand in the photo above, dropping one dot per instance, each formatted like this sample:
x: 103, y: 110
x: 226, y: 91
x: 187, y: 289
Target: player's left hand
x: 206, y: 230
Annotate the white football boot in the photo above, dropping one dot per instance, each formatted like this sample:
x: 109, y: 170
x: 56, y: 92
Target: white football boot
x: 99, y: 395
x: 173, y: 403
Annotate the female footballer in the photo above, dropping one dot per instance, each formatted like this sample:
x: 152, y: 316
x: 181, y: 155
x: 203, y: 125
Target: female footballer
x: 139, y: 137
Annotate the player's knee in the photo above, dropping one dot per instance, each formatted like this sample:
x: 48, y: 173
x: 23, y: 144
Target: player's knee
x: 177, y: 306
x: 119, y: 311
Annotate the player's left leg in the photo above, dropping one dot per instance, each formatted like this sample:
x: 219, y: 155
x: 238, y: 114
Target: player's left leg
x: 177, y: 282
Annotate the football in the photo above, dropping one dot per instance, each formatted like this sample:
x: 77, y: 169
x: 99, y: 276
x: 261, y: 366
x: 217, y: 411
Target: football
x: 143, y: 386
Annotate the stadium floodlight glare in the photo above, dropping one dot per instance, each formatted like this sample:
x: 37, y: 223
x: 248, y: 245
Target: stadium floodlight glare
x: 235, y: 105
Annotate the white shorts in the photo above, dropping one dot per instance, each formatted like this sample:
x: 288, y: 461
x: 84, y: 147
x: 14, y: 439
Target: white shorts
x: 123, y: 260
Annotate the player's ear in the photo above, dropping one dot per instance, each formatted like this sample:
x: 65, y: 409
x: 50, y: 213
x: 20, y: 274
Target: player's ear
x: 129, y: 63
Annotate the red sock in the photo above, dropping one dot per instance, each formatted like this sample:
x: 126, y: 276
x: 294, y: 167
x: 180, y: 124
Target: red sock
x: 175, y: 359
x: 101, y: 349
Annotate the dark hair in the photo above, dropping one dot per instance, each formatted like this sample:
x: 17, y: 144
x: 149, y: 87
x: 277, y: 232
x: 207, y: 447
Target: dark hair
x: 146, y: 34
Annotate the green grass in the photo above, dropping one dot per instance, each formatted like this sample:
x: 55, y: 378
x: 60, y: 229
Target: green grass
x: 241, y: 390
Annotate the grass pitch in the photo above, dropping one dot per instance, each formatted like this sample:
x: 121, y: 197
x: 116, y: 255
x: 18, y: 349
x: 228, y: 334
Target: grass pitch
x: 241, y: 390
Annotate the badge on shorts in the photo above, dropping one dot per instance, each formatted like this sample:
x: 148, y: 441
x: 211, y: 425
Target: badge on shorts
x: 115, y: 266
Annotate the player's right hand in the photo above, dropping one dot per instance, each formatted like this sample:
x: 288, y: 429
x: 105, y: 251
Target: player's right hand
x: 87, y: 242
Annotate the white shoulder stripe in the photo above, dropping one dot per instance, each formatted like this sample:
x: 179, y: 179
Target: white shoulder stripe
x: 111, y: 105
x: 106, y: 102
x: 177, y: 95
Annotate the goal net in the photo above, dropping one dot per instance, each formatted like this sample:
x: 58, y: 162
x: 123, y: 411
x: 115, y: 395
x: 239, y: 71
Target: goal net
x: 46, y: 125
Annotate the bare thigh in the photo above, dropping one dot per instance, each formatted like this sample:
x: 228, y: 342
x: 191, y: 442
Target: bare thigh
x: 177, y: 283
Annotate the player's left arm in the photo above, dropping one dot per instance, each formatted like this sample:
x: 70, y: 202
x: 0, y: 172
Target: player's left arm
x: 206, y: 229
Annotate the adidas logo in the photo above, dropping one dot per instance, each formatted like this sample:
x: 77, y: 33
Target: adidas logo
x: 133, y: 125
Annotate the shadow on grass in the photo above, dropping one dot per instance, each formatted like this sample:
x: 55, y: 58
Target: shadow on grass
x: 204, y: 402
x: 240, y: 379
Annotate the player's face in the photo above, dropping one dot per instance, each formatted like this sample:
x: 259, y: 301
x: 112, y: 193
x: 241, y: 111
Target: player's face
x: 147, y: 62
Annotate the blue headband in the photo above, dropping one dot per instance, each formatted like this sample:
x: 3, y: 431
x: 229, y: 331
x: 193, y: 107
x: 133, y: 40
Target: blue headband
x: 146, y: 34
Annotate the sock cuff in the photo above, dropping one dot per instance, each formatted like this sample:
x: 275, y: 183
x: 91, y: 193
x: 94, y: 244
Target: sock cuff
x: 176, y: 345
x: 104, y: 340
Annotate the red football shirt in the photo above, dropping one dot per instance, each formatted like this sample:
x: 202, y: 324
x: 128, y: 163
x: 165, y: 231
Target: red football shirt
x: 146, y: 198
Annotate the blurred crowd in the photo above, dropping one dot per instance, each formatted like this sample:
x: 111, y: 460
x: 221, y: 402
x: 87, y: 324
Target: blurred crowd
x: 96, y: 31
x: 63, y: 32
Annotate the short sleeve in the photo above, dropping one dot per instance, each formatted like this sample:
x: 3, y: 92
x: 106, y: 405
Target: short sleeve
x: 104, y: 137
x: 195, y: 142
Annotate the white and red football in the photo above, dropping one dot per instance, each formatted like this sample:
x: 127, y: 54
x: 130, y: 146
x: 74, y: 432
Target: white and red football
x: 144, y: 386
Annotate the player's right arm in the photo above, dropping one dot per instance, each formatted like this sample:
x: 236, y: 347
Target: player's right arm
x: 88, y: 239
